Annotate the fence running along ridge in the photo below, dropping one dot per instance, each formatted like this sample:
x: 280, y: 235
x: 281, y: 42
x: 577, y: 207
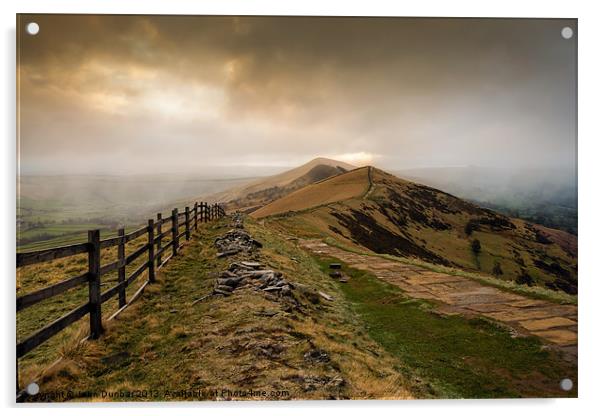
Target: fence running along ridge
x: 201, y: 212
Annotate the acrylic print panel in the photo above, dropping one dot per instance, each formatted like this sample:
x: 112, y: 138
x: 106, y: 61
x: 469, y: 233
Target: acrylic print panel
x: 295, y: 208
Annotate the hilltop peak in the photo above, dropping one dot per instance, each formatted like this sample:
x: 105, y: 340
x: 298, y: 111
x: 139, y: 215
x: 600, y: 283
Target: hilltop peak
x: 329, y: 162
x: 265, y: 190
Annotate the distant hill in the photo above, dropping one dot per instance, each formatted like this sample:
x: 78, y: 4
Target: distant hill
x: 266, y: 190
x: 373, y: 209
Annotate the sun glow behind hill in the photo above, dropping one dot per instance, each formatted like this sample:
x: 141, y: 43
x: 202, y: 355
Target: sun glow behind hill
x: 358, y: 159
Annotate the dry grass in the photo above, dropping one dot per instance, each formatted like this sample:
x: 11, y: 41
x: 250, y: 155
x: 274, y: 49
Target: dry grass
x: 247, y: 341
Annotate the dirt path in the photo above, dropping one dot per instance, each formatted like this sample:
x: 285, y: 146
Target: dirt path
x: 555, y: 324
x: 370, y: 184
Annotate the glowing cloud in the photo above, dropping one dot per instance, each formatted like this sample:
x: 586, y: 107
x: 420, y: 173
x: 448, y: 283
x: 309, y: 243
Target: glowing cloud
x: 357, y: 159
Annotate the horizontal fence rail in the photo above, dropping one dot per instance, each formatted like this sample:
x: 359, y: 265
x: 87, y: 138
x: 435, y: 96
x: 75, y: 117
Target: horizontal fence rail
x: 25, y: 259
x: 156, y: 230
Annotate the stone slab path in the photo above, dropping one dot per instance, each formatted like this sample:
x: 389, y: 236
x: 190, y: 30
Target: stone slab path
x: 555, y: 324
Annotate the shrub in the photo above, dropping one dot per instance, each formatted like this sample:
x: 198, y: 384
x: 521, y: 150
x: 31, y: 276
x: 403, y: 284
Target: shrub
x: 471, y: 225
x: 525, y: 279
x: 497, y: 269
x: 475, y: 246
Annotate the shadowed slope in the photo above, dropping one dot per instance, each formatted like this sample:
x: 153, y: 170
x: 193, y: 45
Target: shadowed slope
x: 372, y: 209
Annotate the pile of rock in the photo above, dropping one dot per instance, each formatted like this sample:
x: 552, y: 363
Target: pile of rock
x: 234, y: 242
x: 248, y: 274
x: 252, y: 275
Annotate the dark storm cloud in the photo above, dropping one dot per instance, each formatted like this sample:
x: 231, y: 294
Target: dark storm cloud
x: 132, y: 93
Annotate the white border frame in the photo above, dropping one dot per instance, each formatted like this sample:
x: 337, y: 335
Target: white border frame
x: 590, y: 203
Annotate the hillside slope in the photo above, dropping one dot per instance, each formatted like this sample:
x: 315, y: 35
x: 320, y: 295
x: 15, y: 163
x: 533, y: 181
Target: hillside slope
x: 266, y: 190
x: 350, y: 185
x: 390, y: 215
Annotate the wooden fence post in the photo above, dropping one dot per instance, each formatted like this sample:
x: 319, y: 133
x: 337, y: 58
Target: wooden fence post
x: 159, y: 238
x: 187, y: 221
x: 196, y: 216
x: 94, y: 284
x: 151, y: 251
x: 121, y: 270
x: 174, y: 231
x: 205, y: 212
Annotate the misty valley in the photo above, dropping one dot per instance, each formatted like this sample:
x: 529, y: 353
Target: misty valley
x: 60, y: 209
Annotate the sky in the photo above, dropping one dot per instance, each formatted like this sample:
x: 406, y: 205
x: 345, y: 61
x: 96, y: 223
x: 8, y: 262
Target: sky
x: 104, y: 94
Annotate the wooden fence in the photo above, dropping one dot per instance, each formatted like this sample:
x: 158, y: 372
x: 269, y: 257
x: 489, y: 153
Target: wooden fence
x: 157, y: 254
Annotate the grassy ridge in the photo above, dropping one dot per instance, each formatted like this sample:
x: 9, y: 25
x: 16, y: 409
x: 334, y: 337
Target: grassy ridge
x: 247, y: 341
